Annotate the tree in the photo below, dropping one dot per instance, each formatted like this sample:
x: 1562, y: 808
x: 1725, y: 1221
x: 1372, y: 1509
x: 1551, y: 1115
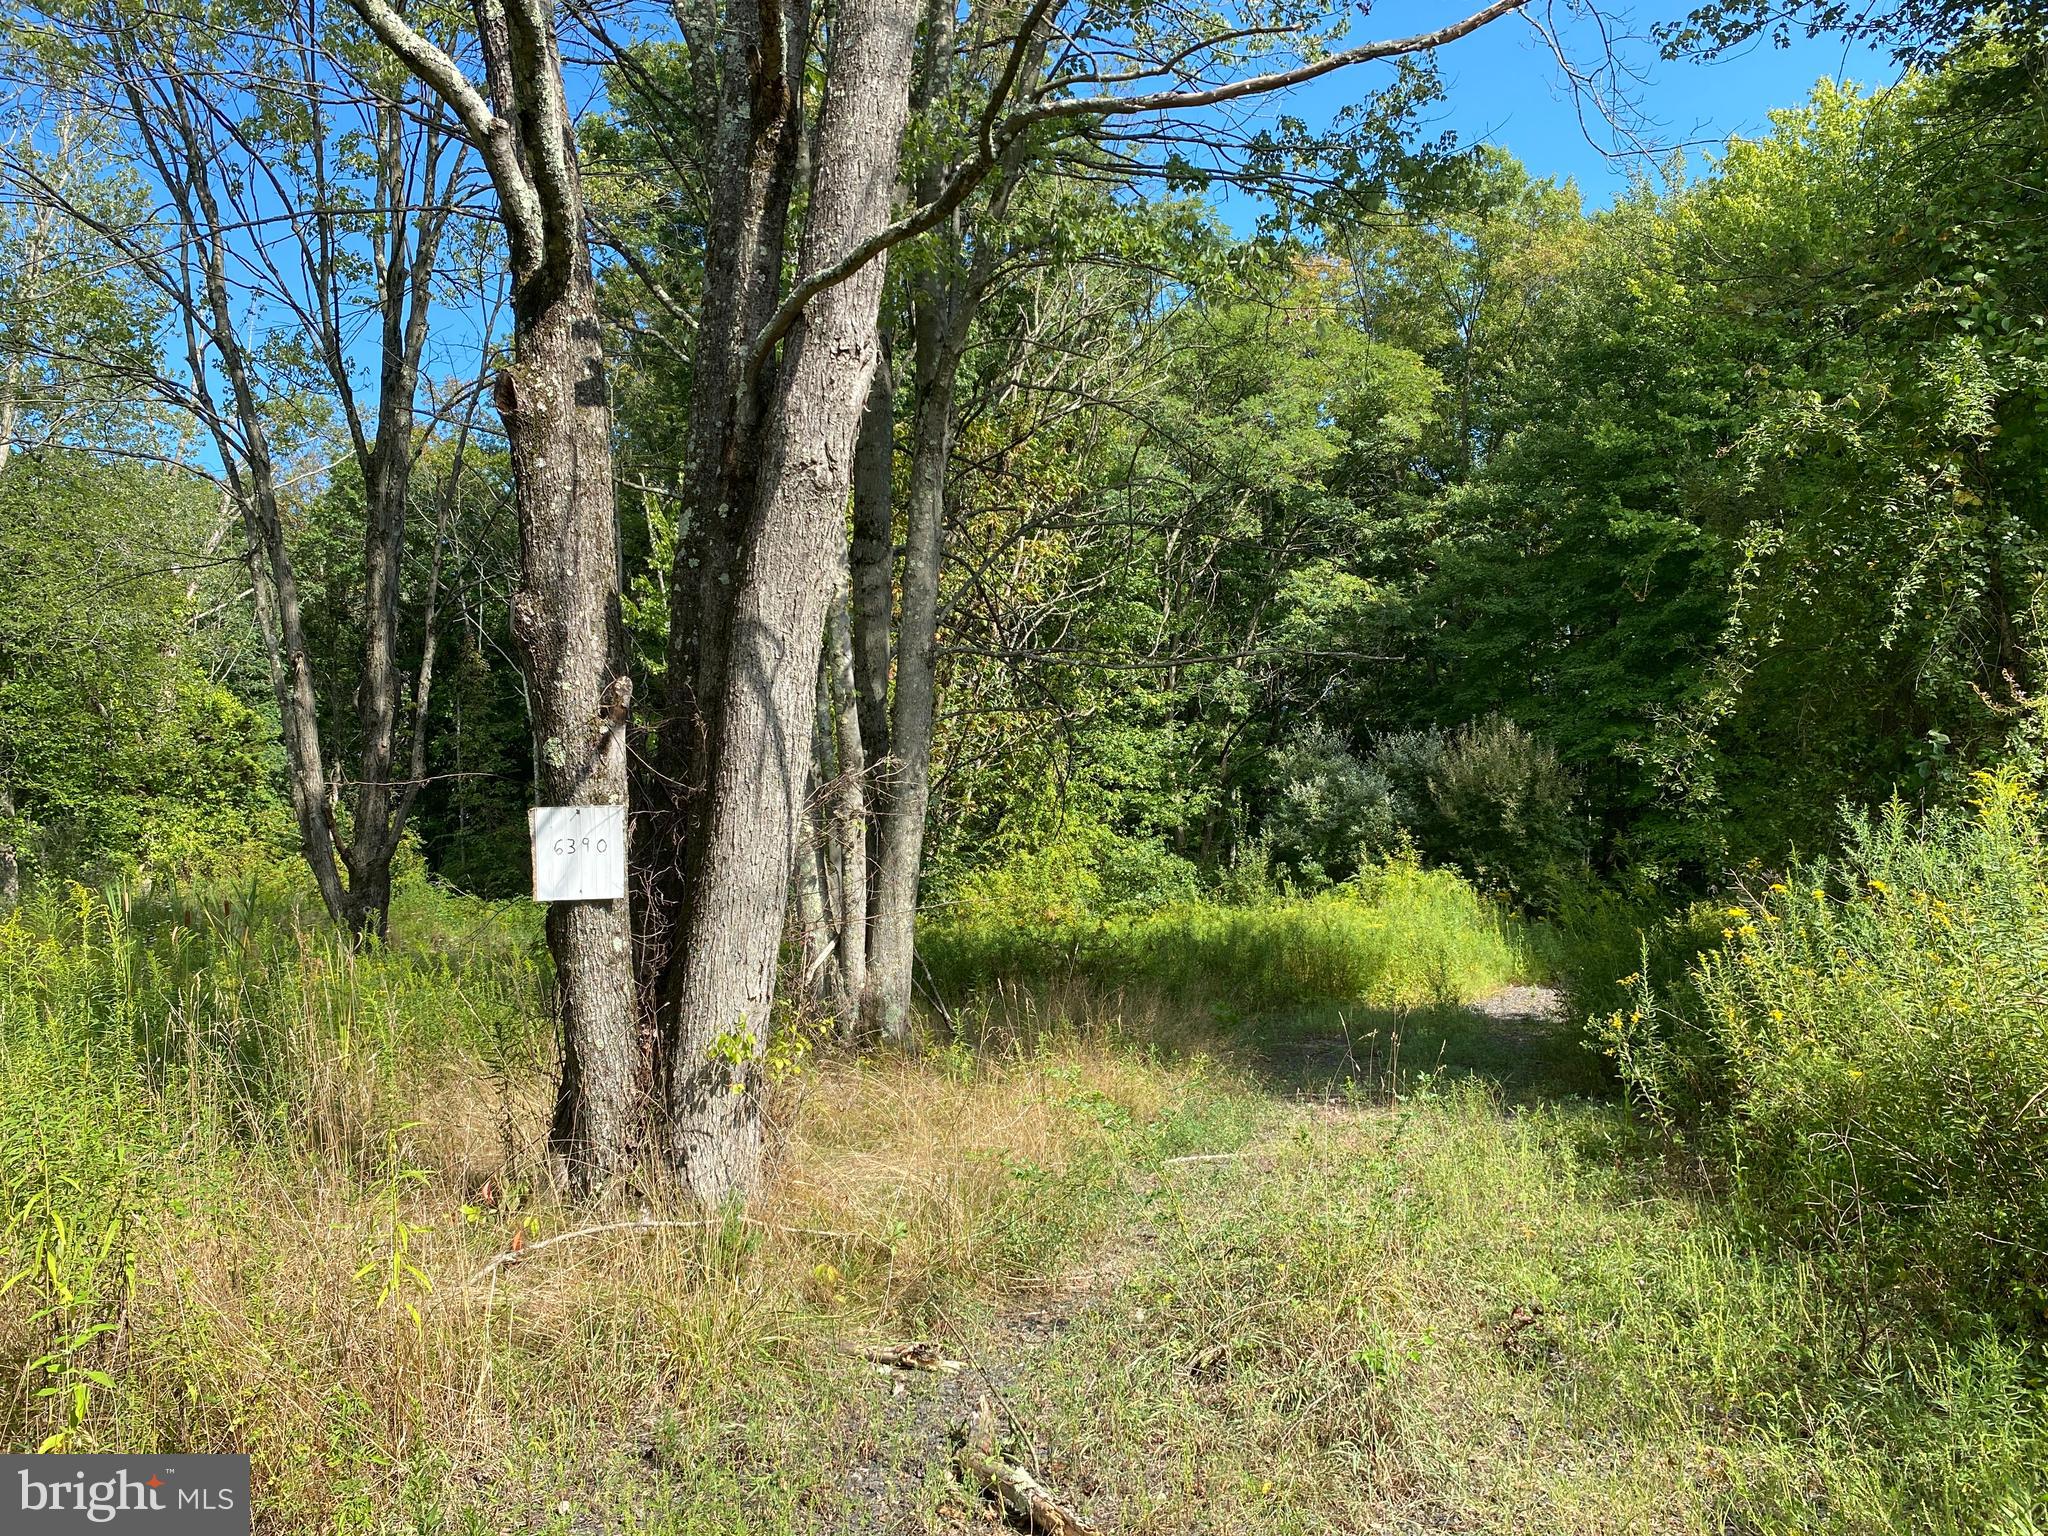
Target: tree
x: 306, y: 196
x: 1035, y: 106
x: 780, y: 381
x: 555, y: 404
x: 77, y: 327
x: 748, y: 720
x: 118, y: 749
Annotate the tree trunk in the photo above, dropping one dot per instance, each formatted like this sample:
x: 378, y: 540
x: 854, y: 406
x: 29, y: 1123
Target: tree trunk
x: 848, y: 809
x: 818, y: 950
x: 760, y: 61
x: 382, y: 806
x: 764, y: 705
x: 942, y: 317
x: 276, y: 597
x: 556, y: 406
x: 557, y: 416
x: 874, y: 559
x: 900, y: 855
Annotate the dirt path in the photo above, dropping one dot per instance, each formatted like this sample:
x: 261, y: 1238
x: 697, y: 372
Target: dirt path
x: 904, y: 1480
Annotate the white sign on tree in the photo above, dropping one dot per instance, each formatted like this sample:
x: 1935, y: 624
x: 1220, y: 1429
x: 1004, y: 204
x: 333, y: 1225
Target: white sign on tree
x: 579, y: 852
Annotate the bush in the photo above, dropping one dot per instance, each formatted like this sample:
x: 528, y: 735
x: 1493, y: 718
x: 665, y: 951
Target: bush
x: 1603, y: 945
x: 1867, y: 1052
x: 1085, y: 873
x: 1334, y: 814
x: 1491, y: 799
x: 1505, y: 802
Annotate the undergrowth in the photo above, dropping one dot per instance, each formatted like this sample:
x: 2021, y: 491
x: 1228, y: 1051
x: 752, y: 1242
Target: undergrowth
x: 1395, y: 934
x: 256, y: 1194
x: 1864, y: 1050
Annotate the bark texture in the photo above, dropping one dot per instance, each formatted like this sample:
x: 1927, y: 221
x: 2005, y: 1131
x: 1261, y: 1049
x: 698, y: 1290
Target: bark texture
x: 764, y: 704
x: 874, y: 559
x: 759, y: 70
x: 848, y: 809
x: 556, y: 406
x: 565, y: 615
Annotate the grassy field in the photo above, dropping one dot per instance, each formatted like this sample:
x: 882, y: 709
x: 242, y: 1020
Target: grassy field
x: 1337, y: 1263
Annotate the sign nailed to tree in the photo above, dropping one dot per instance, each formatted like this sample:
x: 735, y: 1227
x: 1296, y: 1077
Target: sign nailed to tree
x: 579, y: 852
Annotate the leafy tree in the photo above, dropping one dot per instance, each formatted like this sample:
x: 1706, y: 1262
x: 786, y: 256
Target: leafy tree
x: 118, y: 748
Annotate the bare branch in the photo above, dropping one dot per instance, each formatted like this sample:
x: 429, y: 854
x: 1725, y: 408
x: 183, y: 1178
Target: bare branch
x: 997, y: 133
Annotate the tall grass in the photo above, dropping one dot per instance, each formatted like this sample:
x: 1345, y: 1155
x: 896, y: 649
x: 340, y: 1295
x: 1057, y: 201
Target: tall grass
x: 1397, y: 935
x: 252, y: 1185
x: 1866, y: 1051
x: 159, y: 1056
x: 256, y: 1191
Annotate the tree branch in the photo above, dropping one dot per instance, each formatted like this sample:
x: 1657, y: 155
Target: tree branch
x: 492, y: 134
x: 997, y: 133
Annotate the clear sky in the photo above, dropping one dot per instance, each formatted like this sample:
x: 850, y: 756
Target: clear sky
x: 1505, y: 87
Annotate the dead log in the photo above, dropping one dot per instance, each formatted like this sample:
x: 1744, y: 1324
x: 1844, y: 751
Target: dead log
x: 1023, y: 1497
x: 919, y: 1356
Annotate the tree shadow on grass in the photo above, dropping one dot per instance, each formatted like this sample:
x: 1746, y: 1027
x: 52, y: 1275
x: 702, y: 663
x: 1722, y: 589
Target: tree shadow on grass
x: 1519, y: 1041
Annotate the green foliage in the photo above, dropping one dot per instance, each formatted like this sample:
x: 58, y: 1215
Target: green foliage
x: 1396, y: 934
x: 1332, y: 815
x: 1488, y: 799
x: 471, y: 812
x: 119, y: 748
x: 77, y: 324
x: 1074, y: 872
x: 1864, y: 1050
x: 1768, y: 476
x: 1491, y: 799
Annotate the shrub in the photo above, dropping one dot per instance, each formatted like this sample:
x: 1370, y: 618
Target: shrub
x: 1491, y: 799
x: 1334, y: 814
x: 1603, y: 945
x: 1083, y: 873
x: 1867, y: 1052
x: 1504, y: 802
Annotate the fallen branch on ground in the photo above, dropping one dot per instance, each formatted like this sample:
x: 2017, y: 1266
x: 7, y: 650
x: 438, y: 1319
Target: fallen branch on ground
x: 526, y: 1251
x: 919, y: 1356
x: 1025, y: 1498
x: 651, y: 1224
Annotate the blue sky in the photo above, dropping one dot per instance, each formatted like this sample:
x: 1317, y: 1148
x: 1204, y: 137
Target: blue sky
x: 1504, y: 87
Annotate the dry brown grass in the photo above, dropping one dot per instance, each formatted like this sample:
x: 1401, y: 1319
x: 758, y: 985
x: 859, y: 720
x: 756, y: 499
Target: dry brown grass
x: 1417, y: 1302
x: 334, y: 1307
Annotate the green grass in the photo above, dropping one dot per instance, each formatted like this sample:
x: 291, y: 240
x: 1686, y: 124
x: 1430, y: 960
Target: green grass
x: 1227, y: 1269
x: 1437, y: 1311
x: 1398, y: 934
